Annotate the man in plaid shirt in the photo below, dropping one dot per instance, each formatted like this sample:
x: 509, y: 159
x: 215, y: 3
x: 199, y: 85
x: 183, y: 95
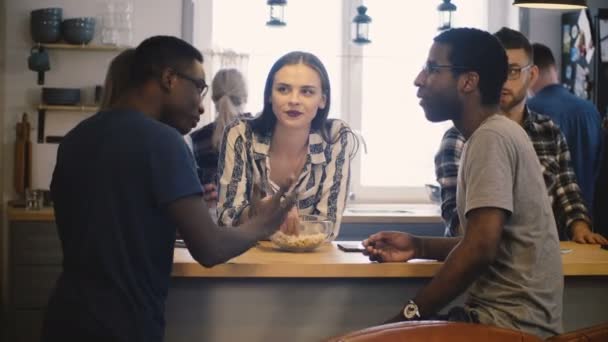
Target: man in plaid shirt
x: 571, y: 215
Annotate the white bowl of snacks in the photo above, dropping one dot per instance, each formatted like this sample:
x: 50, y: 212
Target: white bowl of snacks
x: 311, y: 233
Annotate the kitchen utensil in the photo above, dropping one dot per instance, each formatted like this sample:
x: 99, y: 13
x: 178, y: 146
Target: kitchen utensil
x: 53, y: 139
x: 34, y: 199
x: 23, y: 156
x: 39, y: 62
x: 116, y: 22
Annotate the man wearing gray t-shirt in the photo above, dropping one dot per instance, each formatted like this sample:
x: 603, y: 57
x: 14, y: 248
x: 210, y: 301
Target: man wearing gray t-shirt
x: 509, y: 255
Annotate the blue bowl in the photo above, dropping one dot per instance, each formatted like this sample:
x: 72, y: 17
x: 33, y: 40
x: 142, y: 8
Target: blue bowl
x: 78, y: 30
x: 54, y: 13
x: 45, y: 31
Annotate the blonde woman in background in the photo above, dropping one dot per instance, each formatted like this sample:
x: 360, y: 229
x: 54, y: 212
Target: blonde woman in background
x: 117, y: 79
x: 229, y: 94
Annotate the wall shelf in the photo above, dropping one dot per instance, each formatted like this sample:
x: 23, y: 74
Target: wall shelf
x: 84, y: 47
x: 68, y: 108
x: 76, y: 47
x: 43, y: 108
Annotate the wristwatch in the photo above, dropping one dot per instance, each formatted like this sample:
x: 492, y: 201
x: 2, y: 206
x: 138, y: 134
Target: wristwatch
x: 411, y: 310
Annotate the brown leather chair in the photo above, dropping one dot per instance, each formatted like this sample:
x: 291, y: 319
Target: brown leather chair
x: 435, y: 331
x: 596, y: 333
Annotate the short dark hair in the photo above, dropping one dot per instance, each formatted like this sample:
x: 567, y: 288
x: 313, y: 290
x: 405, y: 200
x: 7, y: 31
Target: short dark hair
x: 512, y: 39
x: 476, y: 50
x: 543, y: 57
x: 157, y: 53
x: 264, y: 123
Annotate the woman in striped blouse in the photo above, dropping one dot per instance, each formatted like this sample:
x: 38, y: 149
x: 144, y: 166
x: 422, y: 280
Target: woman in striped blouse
x: 291, y: 138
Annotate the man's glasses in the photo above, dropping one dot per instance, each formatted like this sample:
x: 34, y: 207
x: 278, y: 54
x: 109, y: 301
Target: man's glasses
x: 200, y: 84
x: 431, y: 68
x: 514, y: 73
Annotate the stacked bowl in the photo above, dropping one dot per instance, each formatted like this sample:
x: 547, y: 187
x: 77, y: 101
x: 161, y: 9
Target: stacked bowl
x: 45, y: 25
x: 61, y: 96
x: 78, y: 30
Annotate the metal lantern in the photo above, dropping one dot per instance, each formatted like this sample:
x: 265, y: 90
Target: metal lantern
x: 445, y: 15
x: 361, y: 26
x: 277, y: 12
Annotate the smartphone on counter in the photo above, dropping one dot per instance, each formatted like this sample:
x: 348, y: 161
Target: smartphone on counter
x: 351, y: 247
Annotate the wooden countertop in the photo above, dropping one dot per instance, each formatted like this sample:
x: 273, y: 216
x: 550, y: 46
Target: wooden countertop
x: 264, y: 261
x: 22, y: 214
x: 356, y: 213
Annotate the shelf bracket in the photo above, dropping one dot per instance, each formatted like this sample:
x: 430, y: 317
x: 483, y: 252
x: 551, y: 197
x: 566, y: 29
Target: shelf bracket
x: 41, y: 119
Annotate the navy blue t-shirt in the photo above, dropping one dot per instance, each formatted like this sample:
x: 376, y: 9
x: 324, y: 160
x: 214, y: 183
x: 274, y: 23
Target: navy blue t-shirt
x: 116, y: 173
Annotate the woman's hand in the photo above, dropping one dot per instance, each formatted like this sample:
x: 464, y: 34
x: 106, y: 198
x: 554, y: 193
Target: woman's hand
x: 291, y: 223
x: 210, y: 195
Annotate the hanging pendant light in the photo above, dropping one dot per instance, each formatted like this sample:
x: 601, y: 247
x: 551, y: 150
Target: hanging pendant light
x: 277, y: 12
x: 445, y: 15
x: 361, y: 26
x: 552, y: 4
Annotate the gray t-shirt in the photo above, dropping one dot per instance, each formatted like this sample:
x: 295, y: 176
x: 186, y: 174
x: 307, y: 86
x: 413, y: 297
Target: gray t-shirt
x: 522, y: 289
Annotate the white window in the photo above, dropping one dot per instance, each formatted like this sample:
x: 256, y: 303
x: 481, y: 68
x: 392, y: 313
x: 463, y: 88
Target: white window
x: 372, y: 86
x: 312, y: 25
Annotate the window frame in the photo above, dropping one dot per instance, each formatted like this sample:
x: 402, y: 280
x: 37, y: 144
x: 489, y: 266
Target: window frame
x: 200, y: 33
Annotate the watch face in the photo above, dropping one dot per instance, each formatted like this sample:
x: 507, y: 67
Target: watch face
x: 410, y: 311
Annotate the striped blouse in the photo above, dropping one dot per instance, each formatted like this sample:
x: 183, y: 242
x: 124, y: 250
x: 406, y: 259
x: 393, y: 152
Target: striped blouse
x: 321, y: 187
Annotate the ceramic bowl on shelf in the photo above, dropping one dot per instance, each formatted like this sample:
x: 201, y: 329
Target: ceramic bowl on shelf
x: 78, y: 30
x: 47, y: 13
x: 60, y: 96
x: 313, y: 231
x: 45, y: 25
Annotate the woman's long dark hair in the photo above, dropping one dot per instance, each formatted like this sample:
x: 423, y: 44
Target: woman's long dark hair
x: 264, y: 123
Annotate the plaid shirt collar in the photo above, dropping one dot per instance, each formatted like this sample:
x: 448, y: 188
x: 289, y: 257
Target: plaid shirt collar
x: 530, y: 117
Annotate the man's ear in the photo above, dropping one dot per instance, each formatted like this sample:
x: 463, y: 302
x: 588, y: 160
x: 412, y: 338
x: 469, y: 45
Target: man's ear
x: 167, y: 80
x: 534, y: 72
x: 468, y: 82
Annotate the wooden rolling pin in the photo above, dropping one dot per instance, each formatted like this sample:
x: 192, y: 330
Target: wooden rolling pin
x: 23, y: 156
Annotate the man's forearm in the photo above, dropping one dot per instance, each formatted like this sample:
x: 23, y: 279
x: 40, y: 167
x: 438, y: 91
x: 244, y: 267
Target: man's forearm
x: 460, y: 269
x: 230, y: 242
x: 436, y: 248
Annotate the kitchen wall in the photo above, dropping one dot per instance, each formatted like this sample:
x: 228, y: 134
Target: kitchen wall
x: 544, y: 26
x: 82, y: 69
x: 500, y: 13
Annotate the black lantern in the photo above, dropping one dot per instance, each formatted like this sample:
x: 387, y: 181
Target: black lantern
x: 277, y: 12
x: 361, y: 26
x: 552, y: 4
x: 445, y: 15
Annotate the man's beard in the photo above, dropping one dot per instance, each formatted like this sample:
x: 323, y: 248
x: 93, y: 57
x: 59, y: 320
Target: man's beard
x: 446, y: 108
x: 516, y: 99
